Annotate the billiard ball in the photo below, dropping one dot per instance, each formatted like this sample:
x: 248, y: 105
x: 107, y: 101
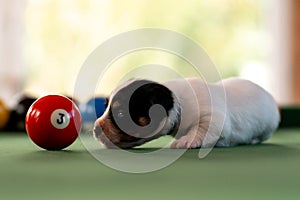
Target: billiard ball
x: 4, y: 114
x: 99, y: 104
x: 72, y: 99
x: 91, y: 110
x: 16, y: 120
x: 53, y: 122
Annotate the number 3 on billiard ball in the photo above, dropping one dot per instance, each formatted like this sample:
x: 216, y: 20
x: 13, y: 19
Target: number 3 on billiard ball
x: 60, y: 118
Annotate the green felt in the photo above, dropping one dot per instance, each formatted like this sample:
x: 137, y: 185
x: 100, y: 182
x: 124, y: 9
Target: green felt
x: 266, y: 171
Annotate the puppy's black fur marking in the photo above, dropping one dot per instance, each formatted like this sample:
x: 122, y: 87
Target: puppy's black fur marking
x: 145, y: 97
x: 142, y: 94
x: 106, y: 102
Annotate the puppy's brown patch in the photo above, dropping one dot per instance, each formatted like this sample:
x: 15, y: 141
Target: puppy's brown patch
x: 143, y: 121
x: 116, y: 104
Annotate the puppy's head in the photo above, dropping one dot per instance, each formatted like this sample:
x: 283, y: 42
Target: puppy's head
x: 130, y: 118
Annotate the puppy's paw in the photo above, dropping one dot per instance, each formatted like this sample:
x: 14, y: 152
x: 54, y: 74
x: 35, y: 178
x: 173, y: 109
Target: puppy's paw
x: 187, y: 142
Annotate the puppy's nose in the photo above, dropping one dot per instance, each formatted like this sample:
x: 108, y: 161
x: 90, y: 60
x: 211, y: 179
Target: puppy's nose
x: 97, y: 131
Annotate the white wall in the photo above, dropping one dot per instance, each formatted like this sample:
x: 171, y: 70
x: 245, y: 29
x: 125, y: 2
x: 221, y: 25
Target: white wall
x: 274, y: 73
x: 11, y: 47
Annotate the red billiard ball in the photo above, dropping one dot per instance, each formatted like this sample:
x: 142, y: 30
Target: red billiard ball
x: 53, y: 122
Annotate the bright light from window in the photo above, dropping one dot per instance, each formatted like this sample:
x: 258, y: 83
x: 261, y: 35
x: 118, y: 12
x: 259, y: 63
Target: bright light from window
x: 61, y: 34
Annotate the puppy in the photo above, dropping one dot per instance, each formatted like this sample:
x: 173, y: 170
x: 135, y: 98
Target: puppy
x: 196, y: 113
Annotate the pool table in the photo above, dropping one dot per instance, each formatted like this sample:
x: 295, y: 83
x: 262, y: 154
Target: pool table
x: 266, y: 171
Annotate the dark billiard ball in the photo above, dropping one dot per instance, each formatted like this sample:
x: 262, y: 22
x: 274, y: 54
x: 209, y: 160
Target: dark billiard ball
x: 18, y: 113
x: 4, y: 115
x: 72, y: 99
x: 91, y: 110
x: 53, y: 122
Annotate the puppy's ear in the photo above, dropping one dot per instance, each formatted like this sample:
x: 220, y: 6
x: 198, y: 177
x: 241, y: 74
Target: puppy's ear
x: 147, y: 95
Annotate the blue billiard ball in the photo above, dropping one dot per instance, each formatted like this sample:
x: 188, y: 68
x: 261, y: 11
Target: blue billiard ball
x: 99, y: 103
x: 91, y: 110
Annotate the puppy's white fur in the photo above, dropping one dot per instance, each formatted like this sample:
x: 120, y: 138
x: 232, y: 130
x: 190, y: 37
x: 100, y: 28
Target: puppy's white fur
x: 246, y: 115
x: 227, y: 113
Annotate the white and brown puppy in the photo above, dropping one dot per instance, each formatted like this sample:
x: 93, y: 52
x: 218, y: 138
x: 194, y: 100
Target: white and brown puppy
x: 196, y: 113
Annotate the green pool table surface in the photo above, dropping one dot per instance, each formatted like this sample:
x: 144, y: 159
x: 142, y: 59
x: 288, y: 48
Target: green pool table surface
x: 266, y: 171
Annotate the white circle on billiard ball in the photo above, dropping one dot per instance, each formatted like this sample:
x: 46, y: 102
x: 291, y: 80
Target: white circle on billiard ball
x: 60, y: 118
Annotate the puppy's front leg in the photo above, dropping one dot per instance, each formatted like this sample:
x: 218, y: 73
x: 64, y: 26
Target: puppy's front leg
x: 195, y: 135
x: 192, y: 139
x: 205, y: 134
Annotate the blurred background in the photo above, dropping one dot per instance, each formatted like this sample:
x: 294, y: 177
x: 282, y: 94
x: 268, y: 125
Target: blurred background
x: 43, y: 43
